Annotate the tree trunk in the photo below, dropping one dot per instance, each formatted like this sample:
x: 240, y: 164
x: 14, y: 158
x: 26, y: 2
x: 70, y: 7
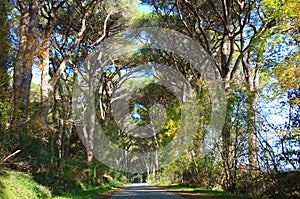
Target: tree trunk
x: 23, y: 65
x: 227, y: 156
x: 252, y: 140
x: 252, y: 80
x: 18, y: 66
x: 44, y: 80
x: 31, y: 49
x: 92, y: 123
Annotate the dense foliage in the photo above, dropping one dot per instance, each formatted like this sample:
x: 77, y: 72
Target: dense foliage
x: 253, y: 44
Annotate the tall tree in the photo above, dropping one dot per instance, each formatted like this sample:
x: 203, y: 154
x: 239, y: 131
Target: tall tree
x: 26, y: 53
x: 5, y: 55
x: 88, y: 24
x: 228, y: 31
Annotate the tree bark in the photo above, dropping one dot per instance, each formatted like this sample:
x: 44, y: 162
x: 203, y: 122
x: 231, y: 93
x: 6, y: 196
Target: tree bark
x: 251, y: 127
x: 252, y: 80
x: 44, y: 80
x: 23, y: 66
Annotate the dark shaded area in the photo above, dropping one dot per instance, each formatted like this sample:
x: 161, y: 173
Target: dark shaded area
x: 294, y: 112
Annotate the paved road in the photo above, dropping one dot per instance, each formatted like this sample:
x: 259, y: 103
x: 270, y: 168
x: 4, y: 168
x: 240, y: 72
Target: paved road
x: 143, y: 191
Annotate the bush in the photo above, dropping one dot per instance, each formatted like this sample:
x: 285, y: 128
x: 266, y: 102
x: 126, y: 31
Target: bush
x: 270, y: 185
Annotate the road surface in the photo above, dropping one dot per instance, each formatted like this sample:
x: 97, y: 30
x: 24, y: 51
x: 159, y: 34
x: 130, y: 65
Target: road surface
x: 143, y: 191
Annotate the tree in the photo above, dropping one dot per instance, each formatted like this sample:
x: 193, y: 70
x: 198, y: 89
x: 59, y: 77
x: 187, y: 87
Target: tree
x: 237, y: 35
x: 230, y: 31
x: 5, y: 49
x: 26, y: 53
x: 284, y: 47
x: 66, y: 40
x: 91, y: 22
x: 5, y: 58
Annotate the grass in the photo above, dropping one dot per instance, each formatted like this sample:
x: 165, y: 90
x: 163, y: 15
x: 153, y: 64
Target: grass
x: 14, y: 185
x: 88, y: 193
x: 19, y: 185
x: 219, y: 193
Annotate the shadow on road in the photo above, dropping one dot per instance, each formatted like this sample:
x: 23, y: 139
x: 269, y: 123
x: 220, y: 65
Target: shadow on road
x: 145, y: 191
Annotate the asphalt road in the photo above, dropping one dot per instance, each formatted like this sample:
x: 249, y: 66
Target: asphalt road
x: 143, y: 191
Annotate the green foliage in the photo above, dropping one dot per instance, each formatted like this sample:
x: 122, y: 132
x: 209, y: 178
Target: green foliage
x: 14, y: 185
x: 147, y: 20
x: 69, y: 172
x: 172, y: 124
x: 88, y: 193
x: 5, y: 110
x: 4, y: 40
x: 282, y: 38
x: 19, y: 185
x: 288, y: 73
x: 75, y: 175
x: 5, y: 48
x: 35, y: 92
x: 286, y: 12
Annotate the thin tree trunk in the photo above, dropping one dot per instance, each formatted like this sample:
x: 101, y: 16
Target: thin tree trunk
x: 156, y: 164
x: 90, y: 141
x: 252, y: 80
x: 252, y: 140
x: 44, y: 80
x: 226, y: 155
x: 89, y: 116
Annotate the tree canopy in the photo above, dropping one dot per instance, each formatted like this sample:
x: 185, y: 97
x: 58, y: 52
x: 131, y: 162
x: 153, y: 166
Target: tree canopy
x: 148, y: 102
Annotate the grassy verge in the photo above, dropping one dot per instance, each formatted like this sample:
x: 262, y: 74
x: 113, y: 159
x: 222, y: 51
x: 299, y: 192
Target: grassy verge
x: 14, y: 185
x: 19, y: 185
x: 211, y: 193
x: 88, y: 193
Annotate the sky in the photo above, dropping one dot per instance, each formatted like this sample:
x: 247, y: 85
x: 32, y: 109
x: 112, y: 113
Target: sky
x: 145, y: 9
